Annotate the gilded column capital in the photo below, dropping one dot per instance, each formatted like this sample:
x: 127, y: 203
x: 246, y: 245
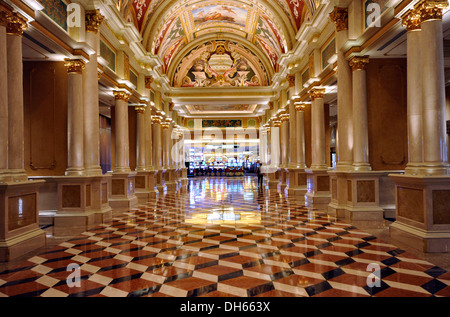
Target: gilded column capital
x: 284, y: 117
x: 412, y: 20
x: 121, y: 95
x: 165, y: 124
x: 140, y: 109
x: 16, y: 24
x: 74, y: 66
x: 317, y: 93
x: 359, y: 62
x: 339, y: 16
x: 300, y: 107
x: 156, y: 120
x: 93, y: 20
x: 4, y: 18
x: 431, y: 9
x: 276, y: 124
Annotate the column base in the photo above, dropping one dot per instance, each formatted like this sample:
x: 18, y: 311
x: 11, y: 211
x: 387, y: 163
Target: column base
x: 160, y: 181
x: 296, y: 183
x: 123, y: 195
x: 74, y: 204
x: 145, y: 186
x: 19, y: 224
x: 170, y: 180
x: 422, y: 217
x: 318, y: 195
x: 272, y: 181
x: 183, y: 180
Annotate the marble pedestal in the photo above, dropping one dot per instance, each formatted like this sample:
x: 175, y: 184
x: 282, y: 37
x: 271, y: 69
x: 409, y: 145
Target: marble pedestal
x: 272, y: 180
x: 363, y: 199
x: 145, y: 186
x: 183, y: 180
x: 170, y: 180
x: 296, y: 183
x: 318, y: 194
x: 283, y: 175
x: 74, y: 204
x: 122, y: 194
x: 422, y: 212
x: 160, y: 181
x: 19, y: 219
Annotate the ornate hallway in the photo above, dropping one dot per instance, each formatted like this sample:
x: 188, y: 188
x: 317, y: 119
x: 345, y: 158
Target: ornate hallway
x: 225, y: 237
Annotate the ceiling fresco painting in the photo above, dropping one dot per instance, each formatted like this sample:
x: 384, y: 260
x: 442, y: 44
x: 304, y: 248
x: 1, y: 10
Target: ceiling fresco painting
x: 267, y: 27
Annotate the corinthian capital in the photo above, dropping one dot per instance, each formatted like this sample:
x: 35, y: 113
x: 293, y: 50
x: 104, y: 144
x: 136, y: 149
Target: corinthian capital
x: 16, y: 24
x: 340, y: 18
x: 93, y: 20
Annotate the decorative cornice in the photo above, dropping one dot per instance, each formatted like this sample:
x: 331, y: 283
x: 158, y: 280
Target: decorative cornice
x: 121, y: 95
x: 16, y: 24
x: 431, y: 9
x: 74, y: 66
x: 317, y: 93
x: 359, y: 62
x: 93, y: 20
x: 339, y: 16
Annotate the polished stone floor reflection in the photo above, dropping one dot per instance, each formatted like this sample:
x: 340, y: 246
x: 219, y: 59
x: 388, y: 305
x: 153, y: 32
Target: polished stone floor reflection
x: 225, y: 237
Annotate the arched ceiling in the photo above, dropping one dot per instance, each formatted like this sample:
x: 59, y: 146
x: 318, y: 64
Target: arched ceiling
x: 172, y: 29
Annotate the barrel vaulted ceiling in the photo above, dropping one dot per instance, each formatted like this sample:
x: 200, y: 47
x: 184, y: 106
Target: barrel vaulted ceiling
x: 246, y: 36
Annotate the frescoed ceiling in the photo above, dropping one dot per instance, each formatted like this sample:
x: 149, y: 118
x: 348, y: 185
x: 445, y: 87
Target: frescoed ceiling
x: 172, y: 29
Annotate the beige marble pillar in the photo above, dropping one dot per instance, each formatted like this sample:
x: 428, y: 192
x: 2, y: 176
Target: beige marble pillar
x: 360, y: 123
x: 141, y: 154
x: 91, y: 103
x: 344, y: 134
x: 414, y: 92
x: 433, y: 88
x: 148, y: 140
x: 157, y: 149
x: 293, y: 141
x: 15, y: 27
x: 3, y: 99
x: 300, y: 131
x: 165, y: 144
x: 318, y: 161
x: 122, y: 163
x: 75, y: 118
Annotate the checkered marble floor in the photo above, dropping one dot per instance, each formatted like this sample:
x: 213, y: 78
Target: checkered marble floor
x: 225, y: 238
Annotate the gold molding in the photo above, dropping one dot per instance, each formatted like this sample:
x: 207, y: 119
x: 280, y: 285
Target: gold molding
x: 412, y: 20
x: 317, y: 93
x: 93, y: 20
x: 121, y: 95
x: 140, y: 110
x: 156, y: 120
x: 339, y: 16
x: 74, y: 66
x: 16, y: 24
x: 359, y: 62
x: 431, y: 9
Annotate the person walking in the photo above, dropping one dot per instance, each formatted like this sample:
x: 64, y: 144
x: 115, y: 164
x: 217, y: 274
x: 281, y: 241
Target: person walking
x: 260, y: 175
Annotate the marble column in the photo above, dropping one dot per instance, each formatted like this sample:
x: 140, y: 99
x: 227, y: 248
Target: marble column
x: 272, y: 176
x: 141, y: 139
x: 122, y: 163
x: 75, y: 122
x: 91, y: 112
x: 422, y: 200
x: 300, y: 131
x: 157, y: 154
x: 318, y: 181
x: 284, y: 143
x: 3, y: 99
x: 149, y: 154
x: 360, y: 124
x: 15, y: 27
x: 19, y: 197
x: 167, y: 127
x: 414, y: 92
x: 344, y: 134
x: 123, y: 192
x: 433, y: 89
x: 318, y: 161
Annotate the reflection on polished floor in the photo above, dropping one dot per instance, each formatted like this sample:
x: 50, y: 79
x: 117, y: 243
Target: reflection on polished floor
x: 225, y: 237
